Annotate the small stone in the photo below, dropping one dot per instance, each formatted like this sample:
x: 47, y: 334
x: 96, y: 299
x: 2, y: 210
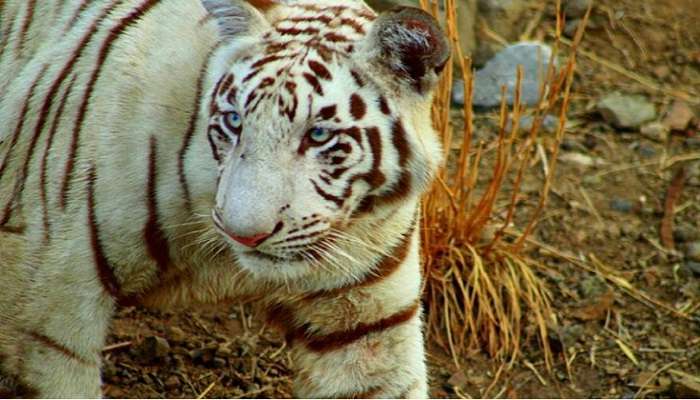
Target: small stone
x: 114, y: 392
x: 571, y: 27
x: 622, y: 205
x: 504, y: 17
x: 176, y: 334
x: 686, y: 387
x: 686, y: 233
x: 662, y: 72
x: 693, y: 267
x: 172, y: 383
x: 218, y: 362
x: 154, y: 348
x: 592, y: 287
x: 646, y: 151
x: 502, y: 69
x: 590, y: 141
x: 581, y: 159
x: 224, y: 350
x: 678, y: 116
x: 655, y: 131
x: 576, y: 8
x: 614, y: 231
x: 458, y: 93
x: 626, y: 111
x: 458, y: 379
x: 548, y: 124
x: 692, y: 251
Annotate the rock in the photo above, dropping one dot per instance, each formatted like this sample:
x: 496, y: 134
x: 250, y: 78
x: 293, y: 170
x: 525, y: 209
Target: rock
x: 685, y: 234
x: 580, y: 159
x: 172, y: 383
x: 686, y: 387
x: 678, y: 116
x: 571, y: 27
x: 592, y: 287
x: 549, y: 123
x: 504, y: 17
x: 622, y: 205
x: 219, y: 362
x: 626, y: 111
x: 646, y: 151
x: 501, y: 70
x: 692, y: 251
x: 458, y: 92
x: 662, y: 72
x: 176, y: 334
x: 693, y: 267
x: 576, y: 8
x: 655, y: 131
x: 153, y: 348
x: 458, y: 379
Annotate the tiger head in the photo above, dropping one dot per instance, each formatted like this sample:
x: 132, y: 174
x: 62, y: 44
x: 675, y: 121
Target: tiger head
x: 319, y: 120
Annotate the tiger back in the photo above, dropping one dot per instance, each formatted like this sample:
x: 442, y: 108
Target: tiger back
x: 167, y: 153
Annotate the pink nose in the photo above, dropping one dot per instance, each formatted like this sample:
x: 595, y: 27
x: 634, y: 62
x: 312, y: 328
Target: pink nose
x: 250, y: 241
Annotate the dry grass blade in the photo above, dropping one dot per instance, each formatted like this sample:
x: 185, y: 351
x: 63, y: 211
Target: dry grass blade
x: 480, y: 289
x: 207, y: 390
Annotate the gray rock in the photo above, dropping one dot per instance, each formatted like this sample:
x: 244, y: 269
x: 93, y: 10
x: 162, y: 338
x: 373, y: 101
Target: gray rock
x: 692, y: 251
x: 622, y: 205
x: 571, y: 27
x: 576, y: 8
x: 502, y: 70
x: 655, y: 131
x: 685, y: 234
x: 154, y: 348
x: 504, y: 17
x: 591, y: 287
x: 626, y: 111
x: 549, y: 124
x: 694, y: 267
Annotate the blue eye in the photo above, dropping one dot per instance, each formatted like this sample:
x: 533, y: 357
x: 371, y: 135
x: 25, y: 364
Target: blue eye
x: 233, y: 119
x: 319, y: 135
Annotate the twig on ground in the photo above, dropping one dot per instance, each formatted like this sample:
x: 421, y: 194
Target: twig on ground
x: 653, y: 377
x: 537, y: 374
x: 494, y: 382
x: 116, y: 346
x: 207, y: 390
x: 603, y: 271
x: 649, y: 83
x: 672, y: 195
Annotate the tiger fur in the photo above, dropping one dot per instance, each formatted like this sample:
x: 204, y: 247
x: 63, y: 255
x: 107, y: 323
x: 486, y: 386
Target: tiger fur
x: 169, y: 153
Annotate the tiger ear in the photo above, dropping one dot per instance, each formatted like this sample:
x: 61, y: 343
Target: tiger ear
x: 409, y: 44
x: 235, y: 17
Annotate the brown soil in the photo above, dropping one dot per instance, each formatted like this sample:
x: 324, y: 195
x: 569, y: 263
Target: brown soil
x: 607, y: 344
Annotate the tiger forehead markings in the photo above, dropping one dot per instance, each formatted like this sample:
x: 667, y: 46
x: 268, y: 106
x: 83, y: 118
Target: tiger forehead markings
x: 166, y: 153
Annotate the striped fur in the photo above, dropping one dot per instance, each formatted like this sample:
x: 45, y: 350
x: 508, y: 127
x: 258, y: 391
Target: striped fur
x: 166, y: 153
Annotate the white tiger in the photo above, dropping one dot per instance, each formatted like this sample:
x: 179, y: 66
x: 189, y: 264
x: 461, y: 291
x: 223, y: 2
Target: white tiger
x: 294, y: 137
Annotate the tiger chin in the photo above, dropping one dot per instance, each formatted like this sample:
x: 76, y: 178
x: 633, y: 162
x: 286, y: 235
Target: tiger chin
x: 170, y: 153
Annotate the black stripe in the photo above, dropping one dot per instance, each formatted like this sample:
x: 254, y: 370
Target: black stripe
x: 190, y: 129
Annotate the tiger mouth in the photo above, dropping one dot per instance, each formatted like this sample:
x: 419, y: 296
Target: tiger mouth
x: 276, y: 259
x: 305, y: 256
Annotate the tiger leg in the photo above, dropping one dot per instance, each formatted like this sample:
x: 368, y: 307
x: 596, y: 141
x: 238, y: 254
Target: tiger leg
x: 363, y: 341
x: 56, y: 341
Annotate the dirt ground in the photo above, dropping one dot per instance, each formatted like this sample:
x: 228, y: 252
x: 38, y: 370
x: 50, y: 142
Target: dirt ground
x: 609, y: 200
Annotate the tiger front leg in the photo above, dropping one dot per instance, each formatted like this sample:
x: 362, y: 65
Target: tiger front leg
x: 380, y: 360
x: 58, y: 337
x: 363, y: 340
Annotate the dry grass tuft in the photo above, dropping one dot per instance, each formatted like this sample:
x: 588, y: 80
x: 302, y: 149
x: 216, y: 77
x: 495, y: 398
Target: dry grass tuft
x: 481, y: 289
